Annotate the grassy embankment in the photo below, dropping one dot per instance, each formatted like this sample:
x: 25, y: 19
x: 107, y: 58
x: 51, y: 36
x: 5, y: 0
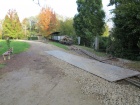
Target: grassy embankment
x: 134, y: 65
x: 18, y: 47
x: 59, y: 45
x: 82, y: 47
x: 101, y: 54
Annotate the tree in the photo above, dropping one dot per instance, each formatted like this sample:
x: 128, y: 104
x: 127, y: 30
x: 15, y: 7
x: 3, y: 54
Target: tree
x: 66, y: 27
x: 139, y: 44
x: 47, y: 21
x: 7, y: 26
x: 12, y: 26
x: 0, y: 33
x: 126, y: 31
x: 89, y: 22
x: 106, y: 32
x: 31, y: 25
x: 1, y: 29
x: 26, y: 26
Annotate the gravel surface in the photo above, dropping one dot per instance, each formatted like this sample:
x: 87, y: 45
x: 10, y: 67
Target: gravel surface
x: 36, y: 78
x: 108, y: 93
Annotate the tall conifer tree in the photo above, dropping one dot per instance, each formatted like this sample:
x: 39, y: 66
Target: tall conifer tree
x: 12, y: 26
x: 89, y: 22
x: 126, y: 31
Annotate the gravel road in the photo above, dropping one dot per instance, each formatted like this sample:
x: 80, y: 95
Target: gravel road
x: 36, y: 78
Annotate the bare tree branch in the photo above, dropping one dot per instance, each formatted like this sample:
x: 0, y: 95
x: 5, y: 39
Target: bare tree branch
x: 38, y: 2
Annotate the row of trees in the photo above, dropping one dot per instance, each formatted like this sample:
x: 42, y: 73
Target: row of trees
x: 124, y: 39
x: 44, y: 24
x: 49, y: 22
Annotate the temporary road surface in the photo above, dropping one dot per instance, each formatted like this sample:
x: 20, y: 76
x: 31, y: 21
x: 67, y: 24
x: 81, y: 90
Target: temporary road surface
x: 106, y: 71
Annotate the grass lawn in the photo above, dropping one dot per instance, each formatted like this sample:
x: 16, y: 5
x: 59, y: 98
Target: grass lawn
x: 18, y: 46
x: 59, y: 45
x: 101, y: 54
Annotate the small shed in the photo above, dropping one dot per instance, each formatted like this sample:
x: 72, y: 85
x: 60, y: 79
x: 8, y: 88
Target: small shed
x: 40, y: 37
x: 54, y: 36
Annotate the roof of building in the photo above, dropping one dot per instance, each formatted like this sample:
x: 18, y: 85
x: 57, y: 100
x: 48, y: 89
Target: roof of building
x: 55, y: 33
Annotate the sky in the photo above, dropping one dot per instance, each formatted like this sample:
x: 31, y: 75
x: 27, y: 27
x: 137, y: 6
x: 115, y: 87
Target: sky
x: 27, y: 8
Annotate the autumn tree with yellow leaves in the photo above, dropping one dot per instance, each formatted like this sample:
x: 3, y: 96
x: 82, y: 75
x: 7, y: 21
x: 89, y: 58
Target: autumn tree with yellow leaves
x: 47, y: 21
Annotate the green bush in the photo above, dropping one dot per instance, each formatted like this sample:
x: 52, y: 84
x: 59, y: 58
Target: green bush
x: 103, y: 43
x: 32, y: 38
x: 115, y: 48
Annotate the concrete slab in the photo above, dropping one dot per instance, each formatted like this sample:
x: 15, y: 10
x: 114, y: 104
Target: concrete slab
x: 106, y: 71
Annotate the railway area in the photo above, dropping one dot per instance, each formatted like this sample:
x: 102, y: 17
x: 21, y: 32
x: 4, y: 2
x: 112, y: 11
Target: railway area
x: 134, y: 80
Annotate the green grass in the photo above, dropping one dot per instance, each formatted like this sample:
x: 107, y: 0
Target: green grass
x: 59, y: 45
x: 101, y: 54
x: 18, y: 46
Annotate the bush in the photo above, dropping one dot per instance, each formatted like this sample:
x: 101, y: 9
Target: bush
x: 103, y: 43
x: 32, y: 38
x: 116, y: 49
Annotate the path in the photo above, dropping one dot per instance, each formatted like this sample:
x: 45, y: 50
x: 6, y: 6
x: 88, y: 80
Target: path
x: 36, y: 78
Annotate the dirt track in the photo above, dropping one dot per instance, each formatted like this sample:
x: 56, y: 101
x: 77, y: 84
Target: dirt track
x: 30, y: 78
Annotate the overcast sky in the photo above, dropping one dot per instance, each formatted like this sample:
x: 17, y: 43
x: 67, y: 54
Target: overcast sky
x: 27, y: 8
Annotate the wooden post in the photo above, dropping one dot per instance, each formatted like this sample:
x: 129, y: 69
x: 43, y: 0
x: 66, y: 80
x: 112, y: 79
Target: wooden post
x: 79, y: 39
x: 96, y: 43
